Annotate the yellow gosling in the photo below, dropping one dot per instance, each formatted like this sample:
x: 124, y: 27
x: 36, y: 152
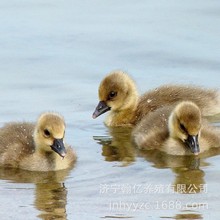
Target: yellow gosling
x: 179, y: 131
x: 118, y: 95
x: 36, y: 147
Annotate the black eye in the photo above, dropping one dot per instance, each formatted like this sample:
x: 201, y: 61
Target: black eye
x: 46, y: 132
x: 112, y: 94
x: 183, y: 128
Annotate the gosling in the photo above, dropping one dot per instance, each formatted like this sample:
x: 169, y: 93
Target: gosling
x: 36, y: 147
x: 178, y: 131
x: 118, y: 95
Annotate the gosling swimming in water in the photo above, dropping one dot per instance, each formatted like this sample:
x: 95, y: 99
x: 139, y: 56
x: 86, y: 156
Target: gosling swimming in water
x: 36, y: 147
x: 118, y: 95
x: 178, y: 130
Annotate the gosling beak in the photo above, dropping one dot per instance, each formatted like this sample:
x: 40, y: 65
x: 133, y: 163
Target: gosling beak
x: 100, y: 109
x: 58, y: 147
x: 193, y: 143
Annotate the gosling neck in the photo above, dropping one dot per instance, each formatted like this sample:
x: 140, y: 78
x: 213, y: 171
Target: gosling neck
x: 126, y: 115
x: 171, y: 125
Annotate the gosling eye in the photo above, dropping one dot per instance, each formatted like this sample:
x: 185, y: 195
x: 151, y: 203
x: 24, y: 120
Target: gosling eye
x: 112, y: 94
x: 183, y: 127
x: 46, y: 133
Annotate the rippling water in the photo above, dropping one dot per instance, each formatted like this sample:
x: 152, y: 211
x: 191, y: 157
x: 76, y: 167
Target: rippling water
x: 54, y: 54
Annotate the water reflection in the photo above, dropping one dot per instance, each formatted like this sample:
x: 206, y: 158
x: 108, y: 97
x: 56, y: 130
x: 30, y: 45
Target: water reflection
x: 51, y: 200
x: 187, y: 216
x: 187, y: 169
x: 50, y: 192
x: 118, y: 147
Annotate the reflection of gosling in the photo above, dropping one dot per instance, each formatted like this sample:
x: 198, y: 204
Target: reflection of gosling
x: 118, y: 93
x: 120, y: 148
x: 37, y: 147
x: 51, y: 200
x: 182, y: 134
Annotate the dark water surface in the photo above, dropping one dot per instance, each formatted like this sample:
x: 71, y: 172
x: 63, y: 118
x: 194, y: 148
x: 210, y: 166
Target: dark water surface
x: 53, y: 55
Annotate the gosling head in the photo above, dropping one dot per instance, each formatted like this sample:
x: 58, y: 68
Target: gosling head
x: 117, y: 91
x: 185, y: 124
x: 49, y: 133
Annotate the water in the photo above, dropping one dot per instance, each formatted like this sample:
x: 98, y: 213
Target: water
x: 53, y: 56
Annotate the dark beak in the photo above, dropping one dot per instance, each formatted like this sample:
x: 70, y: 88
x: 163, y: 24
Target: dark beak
x: 193, y: 143
x: 58, y: 147
x: 100, y: 109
